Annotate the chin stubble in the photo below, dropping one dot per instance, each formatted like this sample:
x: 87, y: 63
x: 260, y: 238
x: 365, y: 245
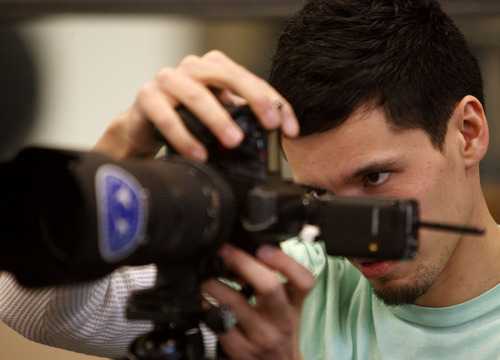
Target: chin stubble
x: 405, y: 295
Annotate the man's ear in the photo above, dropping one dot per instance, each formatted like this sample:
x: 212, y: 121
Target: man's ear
x: 471, y: 121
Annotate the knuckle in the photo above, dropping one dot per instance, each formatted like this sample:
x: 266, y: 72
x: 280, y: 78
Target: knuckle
x: 223, y: 62
x: 165, y: 72
x: 193, y: 95
x: 189, y: 61
x: 216, y: 56
x: 144, y: 92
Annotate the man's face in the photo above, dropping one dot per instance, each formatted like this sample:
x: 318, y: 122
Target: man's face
x: 366, y: 157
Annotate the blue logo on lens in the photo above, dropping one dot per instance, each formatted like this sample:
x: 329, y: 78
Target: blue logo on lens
x: 122, y: 212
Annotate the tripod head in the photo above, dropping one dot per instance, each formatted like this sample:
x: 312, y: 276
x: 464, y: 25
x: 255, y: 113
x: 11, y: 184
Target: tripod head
x: 175, y: 306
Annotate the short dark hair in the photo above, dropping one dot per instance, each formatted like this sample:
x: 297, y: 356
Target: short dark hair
x: 404, y: 55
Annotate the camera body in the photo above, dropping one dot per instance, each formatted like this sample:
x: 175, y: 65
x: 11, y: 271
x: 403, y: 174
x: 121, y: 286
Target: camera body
x: 271, y: 210
x: 259, y: 195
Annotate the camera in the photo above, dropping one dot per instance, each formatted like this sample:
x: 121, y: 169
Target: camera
x: 76, y: 216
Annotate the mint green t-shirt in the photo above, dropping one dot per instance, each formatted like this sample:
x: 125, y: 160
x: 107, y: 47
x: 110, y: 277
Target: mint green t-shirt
x: 342, y: 319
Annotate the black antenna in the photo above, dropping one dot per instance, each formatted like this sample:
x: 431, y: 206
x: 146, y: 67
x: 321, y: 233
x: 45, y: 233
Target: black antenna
x: 446, y: 227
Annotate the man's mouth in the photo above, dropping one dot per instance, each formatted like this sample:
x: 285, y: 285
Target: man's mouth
x: 373, y: 269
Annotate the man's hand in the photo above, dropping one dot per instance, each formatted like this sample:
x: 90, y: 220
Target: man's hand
x: 202, y: 85
x: 269, y: 329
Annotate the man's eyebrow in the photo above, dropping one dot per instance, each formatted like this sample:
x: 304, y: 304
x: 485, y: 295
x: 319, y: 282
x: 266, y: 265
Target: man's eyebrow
x: 371, y: 168
x: 310, y: 188
x: 306, y: 187
x: 302, y: 185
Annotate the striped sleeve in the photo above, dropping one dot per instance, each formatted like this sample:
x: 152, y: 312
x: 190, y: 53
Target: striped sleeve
x: 87, y: 318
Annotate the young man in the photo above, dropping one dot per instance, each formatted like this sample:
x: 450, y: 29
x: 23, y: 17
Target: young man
x: 389, y: 101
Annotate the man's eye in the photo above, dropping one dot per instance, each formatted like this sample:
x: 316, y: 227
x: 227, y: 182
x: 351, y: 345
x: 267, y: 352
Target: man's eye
x: 320, y: 193
x: 376, y: 178
x: 317, y: 193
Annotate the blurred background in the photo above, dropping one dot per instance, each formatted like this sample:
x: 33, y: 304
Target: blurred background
x: 92, y: 57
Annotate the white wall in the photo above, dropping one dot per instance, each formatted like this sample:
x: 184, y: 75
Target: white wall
x: 92, y: 66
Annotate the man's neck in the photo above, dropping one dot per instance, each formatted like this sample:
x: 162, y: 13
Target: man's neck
x: 472, y: 270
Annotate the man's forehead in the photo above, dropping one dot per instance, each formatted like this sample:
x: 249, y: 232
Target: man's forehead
x: 366, y: 124
x: 359, y: 147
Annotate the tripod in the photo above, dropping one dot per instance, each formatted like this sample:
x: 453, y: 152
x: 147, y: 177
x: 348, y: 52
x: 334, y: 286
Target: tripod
x: 176, y: 307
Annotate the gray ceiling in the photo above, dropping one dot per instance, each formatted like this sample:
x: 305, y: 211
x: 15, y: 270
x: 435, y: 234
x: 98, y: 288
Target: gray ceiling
x: 202, y: 8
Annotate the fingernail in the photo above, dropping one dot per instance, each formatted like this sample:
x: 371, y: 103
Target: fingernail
x: 223, y: 252
x: 271, y: 118
x: 233, y: 136
x: 290, y: 127
x: 267, y: 252
x: 199, y: 154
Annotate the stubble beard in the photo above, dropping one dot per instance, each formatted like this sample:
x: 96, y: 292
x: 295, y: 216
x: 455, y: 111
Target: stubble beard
x: 408, y: 294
